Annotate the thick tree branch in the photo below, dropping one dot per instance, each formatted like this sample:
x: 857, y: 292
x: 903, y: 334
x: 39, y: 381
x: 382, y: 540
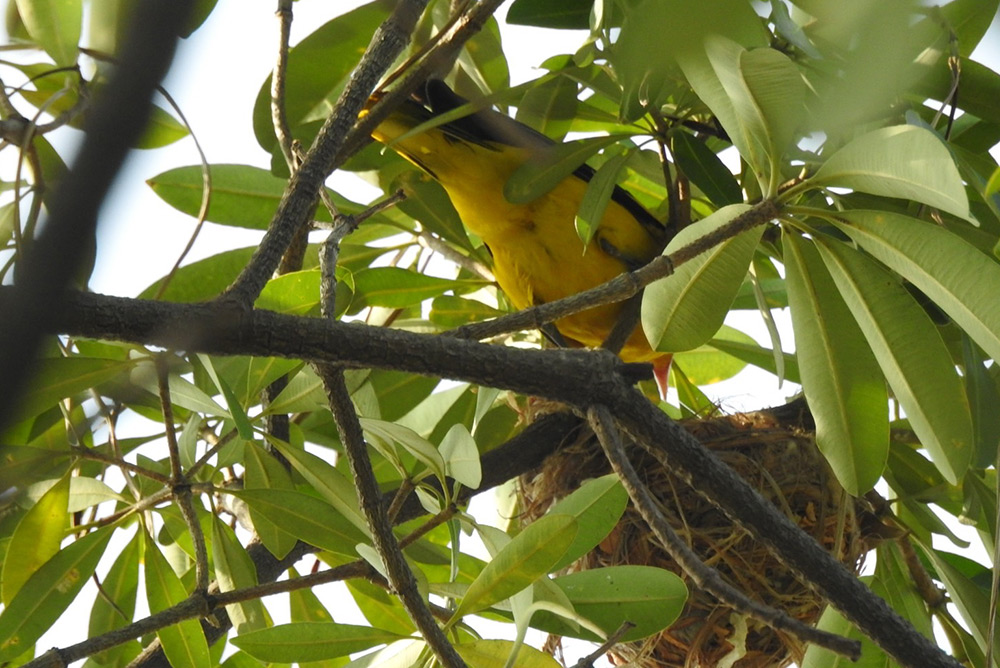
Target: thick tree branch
x: 677, y: 449
x: 700, y: 573
x: 581, y: 378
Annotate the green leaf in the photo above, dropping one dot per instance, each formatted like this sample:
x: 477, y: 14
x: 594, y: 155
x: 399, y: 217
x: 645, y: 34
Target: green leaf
x: 235, y: 570
x: 549, y: 106
x: 954, y: 274
x: 204, y: 279
x: 972, y: 601
x: 48, y: 593
x: 840, y: 376
x: 242, y: 196
x: 597, y: 195
x: 537, y: 177
x: 184, y: 642
x: 448, y: 311
x: 758, y: 97
x: 264, y: 471
x: 650, y: 598
x: 295, y: 293
x: 310, y: 519
x: 461, y: 456
x: 380, y: 608
x: 419, y: 447
x: 684, y: 310
x: 754, y: 353
x: 56, y: 26
x: 183, y: 392
x: 983, y: 399
x: 902, y: 161
x: 597, y: 506
x: 559, y: 14
x: 236, y: 411
x: 326, y: 479
x: 310, y: 641
x: 708, y: 364
x: 394, y: 287
x: 912, y: 355
x: 496, y: 654
x: 652, y: 27
x: 56, y: 378
x: 161, y: 130
x: 36, y: 538
x: 704, y: 169
x: 529, y: 556
x: 116, y: 606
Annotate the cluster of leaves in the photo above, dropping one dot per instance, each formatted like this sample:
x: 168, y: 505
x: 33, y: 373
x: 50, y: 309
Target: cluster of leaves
x: 884, y: 250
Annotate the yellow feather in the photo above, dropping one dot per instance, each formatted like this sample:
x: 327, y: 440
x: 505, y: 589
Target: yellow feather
x: 537, y: 254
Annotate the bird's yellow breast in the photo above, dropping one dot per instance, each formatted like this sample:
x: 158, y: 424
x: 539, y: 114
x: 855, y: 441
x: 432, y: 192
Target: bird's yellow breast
x: 538, y: 256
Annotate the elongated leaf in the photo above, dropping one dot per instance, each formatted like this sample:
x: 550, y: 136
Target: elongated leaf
x: 650, y: 598
x: 264, y: 472
x: 184, y: 642
x: 236, y: 411
x: 901, y: 161
x: 954, y: 274
x: 757, y: 96
x: 305, y: 517
x: 706, y: 170
x: 242, y: 196
x: 567, y: 14
x: 461, y: 456
x: 49, y: 592
x: 61, y: 377
x: 840, y: 376
x: 235, y: 570
x: 685, y: 309
x: 412, y: 442
x: 36, y: 538
x: 529, y: 556
x: 326, y: 479
x: 753, y: 353
x: 707, y: 364
x: 56, y: 26
x: 597, y: 195
x: 597, y: 506
x: 398, y: 288
x: 496, y: 653
x: 116, y: 606
x: 310, y: 641
x: 537, y: 177
x: 912, y: 355
x: 971, y: 600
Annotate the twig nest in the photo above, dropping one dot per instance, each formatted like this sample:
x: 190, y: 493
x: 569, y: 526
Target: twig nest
x: 779, y: 460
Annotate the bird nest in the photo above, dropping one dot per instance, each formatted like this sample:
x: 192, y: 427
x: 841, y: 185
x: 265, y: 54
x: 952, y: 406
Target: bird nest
x: 781, y: 461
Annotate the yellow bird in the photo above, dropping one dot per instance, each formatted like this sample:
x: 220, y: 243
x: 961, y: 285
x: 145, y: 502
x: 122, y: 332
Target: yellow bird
x: 537, y: 255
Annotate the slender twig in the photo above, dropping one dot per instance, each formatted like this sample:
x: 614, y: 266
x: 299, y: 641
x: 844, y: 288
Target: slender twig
x: 588, y: 661
x: 623, y: 286
x: 403, y: 582
x: 180, y: 488
x: 163, y: 383
x: 302, y: 191
x: 192, y: 607
x: 206, y: 194
x: 98, y: 456
x: 703, y: 576
x: 433, y: 243
x: 279, y: 118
